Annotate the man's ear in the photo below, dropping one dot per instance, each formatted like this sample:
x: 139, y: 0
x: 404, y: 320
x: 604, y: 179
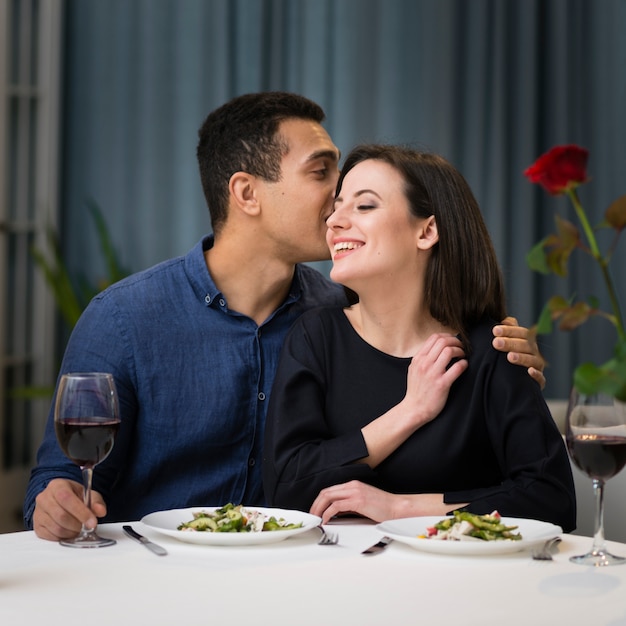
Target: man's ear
x: 242, y: 188
x: 427, y: 234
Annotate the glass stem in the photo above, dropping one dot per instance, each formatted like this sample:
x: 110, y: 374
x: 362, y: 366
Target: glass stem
x: 598, y: 535
x: 87, y: 476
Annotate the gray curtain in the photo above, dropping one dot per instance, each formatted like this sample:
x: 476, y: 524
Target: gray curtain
x: 490, y: 84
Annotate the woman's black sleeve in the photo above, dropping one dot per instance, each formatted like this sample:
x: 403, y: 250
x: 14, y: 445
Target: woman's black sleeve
x: 301, y: 456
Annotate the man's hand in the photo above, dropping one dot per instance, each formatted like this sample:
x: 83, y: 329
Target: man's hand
x: 521, y: 345
x: 60, y: 511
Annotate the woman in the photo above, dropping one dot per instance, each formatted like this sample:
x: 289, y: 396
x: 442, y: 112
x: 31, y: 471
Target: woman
x: 398, y: 406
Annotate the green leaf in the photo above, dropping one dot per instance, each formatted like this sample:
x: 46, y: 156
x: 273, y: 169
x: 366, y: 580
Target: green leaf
x: 594, y: 303
x: 561, y: 246
x: 536, y: 258
x: 615, y: 215
x: 115, y: 270
x: 58, y: 279
x: 72, y: 295
x: 552, y: 253
x: 30, y: 393
x: 557, y: 305
x: 574, y: 316
x: 609, y: 378
x: 544, y: 324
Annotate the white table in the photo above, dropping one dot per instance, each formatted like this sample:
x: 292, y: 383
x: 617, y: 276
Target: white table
x: 296, y: 583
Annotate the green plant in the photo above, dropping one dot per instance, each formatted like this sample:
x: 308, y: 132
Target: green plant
x: 72, y: 295
x: 560, y: 171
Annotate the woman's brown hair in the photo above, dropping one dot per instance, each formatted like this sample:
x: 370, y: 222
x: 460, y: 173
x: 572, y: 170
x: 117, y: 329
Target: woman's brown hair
x: 464, y: 281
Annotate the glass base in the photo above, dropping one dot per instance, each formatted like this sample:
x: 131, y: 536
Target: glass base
x: 87, y: 540
x: 598, y: 558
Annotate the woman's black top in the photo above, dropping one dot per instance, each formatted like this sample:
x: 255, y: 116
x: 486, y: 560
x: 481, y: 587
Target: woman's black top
x: 494, y: 445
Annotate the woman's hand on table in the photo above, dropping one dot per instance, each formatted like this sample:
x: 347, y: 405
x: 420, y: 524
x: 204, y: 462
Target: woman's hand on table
x: 521, y: 347
x: 60, y: 511
x: 374, y: 503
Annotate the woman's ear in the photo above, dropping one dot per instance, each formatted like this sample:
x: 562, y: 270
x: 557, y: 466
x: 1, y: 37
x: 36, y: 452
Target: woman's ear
x: 242, y: 188
x: 427, y: 234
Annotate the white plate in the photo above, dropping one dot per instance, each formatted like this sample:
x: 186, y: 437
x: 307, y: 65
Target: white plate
x: 407, y: 530
x: 167, y: 522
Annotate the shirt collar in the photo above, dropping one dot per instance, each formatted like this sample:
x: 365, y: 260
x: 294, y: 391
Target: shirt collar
x: 205, y: 288
x: 198, y: 273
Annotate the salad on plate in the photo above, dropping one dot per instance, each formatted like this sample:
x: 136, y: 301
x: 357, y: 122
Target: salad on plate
x: 236, y: 519
x: 465, y: 526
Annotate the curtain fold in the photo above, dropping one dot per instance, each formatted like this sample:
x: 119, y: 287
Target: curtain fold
x: 489, y: 84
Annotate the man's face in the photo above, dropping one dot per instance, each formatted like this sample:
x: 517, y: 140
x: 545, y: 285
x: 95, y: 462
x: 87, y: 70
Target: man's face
x: 296, y: 207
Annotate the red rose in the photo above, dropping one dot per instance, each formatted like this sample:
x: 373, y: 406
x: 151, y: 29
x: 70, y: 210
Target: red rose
x: 560, y: 169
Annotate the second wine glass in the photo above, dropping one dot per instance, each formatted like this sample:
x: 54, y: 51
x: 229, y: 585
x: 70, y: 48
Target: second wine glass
x: 86, y: 421
x: 596, y: 442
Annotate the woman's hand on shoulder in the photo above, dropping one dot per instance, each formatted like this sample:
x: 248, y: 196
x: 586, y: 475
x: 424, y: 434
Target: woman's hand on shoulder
x: 440, y: 361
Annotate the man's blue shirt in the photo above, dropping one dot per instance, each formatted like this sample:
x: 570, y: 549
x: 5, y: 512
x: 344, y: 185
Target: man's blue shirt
x: 193, y: 380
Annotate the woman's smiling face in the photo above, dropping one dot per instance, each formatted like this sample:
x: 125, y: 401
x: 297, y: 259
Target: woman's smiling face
x: 371, y: 232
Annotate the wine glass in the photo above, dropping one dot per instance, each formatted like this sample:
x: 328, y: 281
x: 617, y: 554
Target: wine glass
x: 86, y: 421
x: 596, y: 442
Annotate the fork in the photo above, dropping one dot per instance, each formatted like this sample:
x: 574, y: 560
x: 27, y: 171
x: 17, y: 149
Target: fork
x: 327, y: 539
x: 543, y: 553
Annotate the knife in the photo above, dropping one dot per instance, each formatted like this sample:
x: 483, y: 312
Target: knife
x: 144, y: 541
x: 377, y: 548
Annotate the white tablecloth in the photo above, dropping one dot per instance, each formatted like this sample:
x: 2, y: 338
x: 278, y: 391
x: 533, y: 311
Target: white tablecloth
x: 296, y: 582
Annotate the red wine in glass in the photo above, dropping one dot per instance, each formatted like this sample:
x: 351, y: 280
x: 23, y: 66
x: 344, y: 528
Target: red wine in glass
x: 596, y: 442
x: 87, y: 441
x: 86, y: 421
x: 598, y: 456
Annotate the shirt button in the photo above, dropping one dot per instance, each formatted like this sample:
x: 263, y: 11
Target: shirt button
x: 261, y: 396
x: 207, y: 299
x: 222, y: 302
x: 251, y: 462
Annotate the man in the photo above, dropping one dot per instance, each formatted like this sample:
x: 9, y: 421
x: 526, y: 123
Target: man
x: 193, y: 342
